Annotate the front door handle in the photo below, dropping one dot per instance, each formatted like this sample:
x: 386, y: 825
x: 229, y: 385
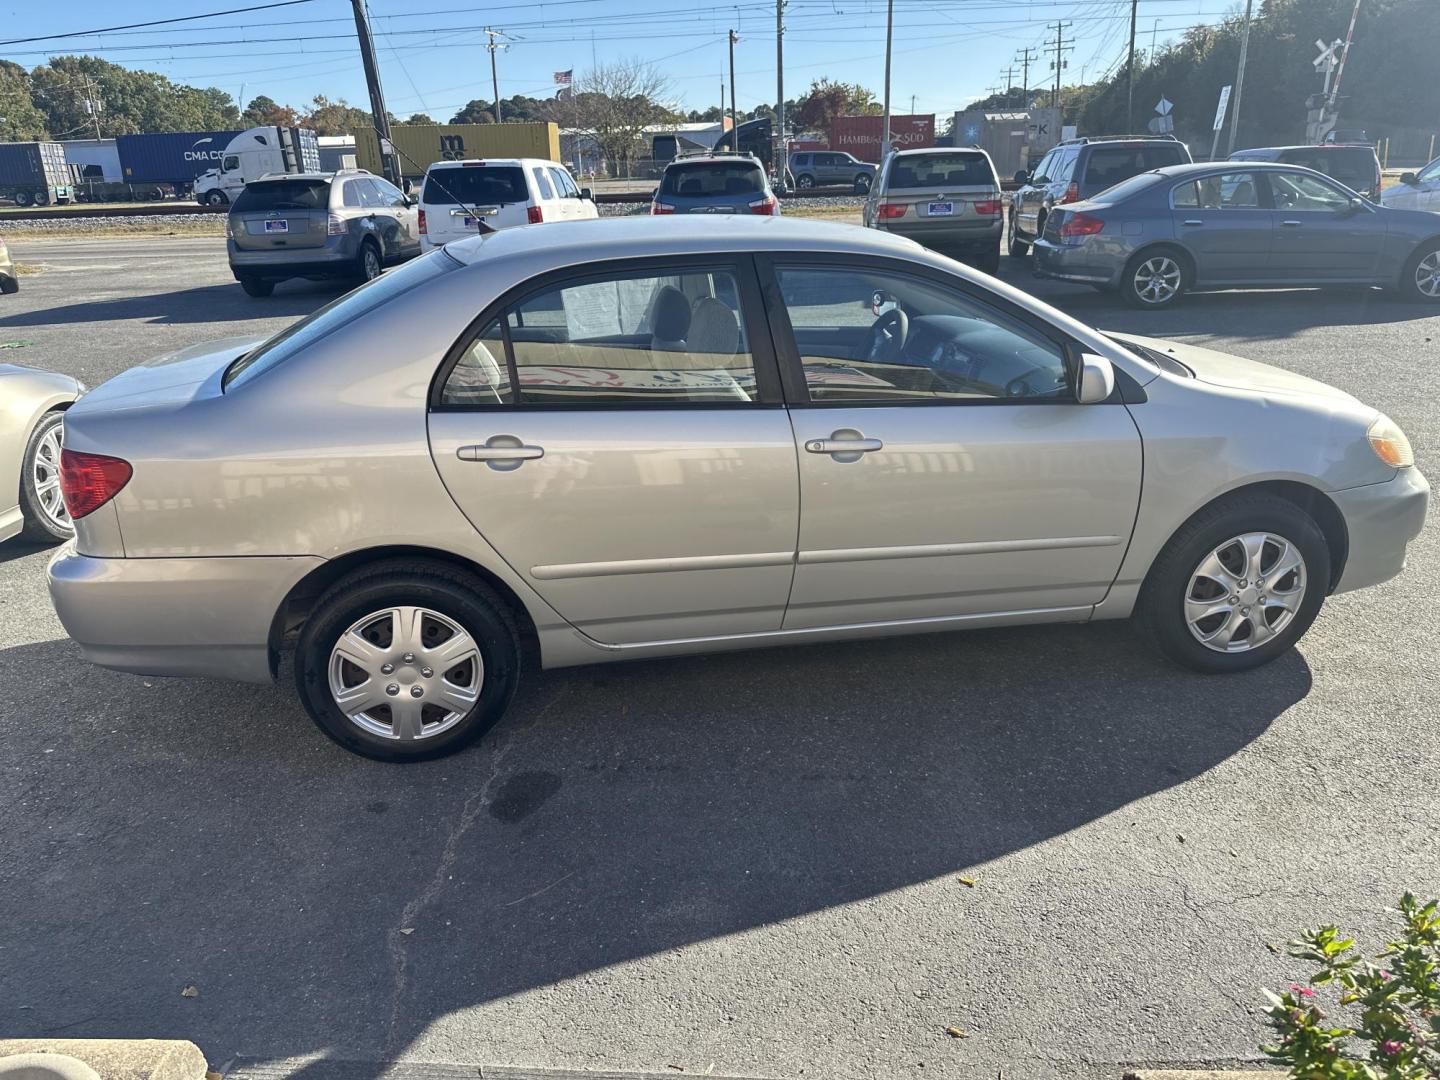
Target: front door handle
x: 1291, y: 222
x: 1193, y: 221
x: 502, y: 453
x: 845, y: 445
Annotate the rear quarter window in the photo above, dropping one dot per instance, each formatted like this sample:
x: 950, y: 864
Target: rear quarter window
x: 284, y: 195
x: 474, y: 185
x: 1109, y: 165
x: 718, y: 178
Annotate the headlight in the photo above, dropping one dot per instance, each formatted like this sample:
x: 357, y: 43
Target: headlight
x: 1390, y: 444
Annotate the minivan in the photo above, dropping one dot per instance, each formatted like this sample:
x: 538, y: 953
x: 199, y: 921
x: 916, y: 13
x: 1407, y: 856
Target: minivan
x: 501, y: 192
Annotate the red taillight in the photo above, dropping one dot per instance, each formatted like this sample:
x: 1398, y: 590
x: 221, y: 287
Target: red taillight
x: 534, y: 215
x: 765, y: 206
x: 988, y: 208
x: 661, y: 208
x: 423, y: 230
x: 1072, y: 193
x: 889, y: 211
x: 1081, y: 225
x: 89, y: 481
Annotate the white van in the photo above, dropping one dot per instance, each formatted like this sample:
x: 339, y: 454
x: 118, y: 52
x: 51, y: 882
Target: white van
x: 499, y: 191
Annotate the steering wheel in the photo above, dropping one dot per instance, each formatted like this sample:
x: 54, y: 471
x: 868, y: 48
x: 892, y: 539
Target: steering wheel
x: 888, y: 334
x: 1020, y: 386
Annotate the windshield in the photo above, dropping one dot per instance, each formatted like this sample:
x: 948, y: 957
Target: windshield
x: 474, y: 185
x: 336, y: 314
x: 941, y: 171
x: 284, y: 195
x: 713, y: 178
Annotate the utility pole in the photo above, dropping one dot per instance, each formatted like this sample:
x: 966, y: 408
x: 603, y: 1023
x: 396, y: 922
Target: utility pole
x: 1130, y: 73
x: 1025, y: 57
x: 889, y: 41
x: 494, y: 74
x: 1239, y: 81
x: 1059, y: 63
x: 380, y: 118
x: 782, y: 159
x: 1009, y: 82
x: 734, y: 116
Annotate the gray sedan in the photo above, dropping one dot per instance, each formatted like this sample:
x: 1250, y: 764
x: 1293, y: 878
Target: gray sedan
x: 626, y: 438
x: 1226, y: 225
x: 32, y: 408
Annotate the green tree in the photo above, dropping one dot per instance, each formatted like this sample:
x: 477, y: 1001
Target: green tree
x: 336, y: 117
x: 476, y: 112
x: 827, y: 99
x: 265, y: 111
x: 73, y: 91
x: 415, y: 118
x: 20, y: 120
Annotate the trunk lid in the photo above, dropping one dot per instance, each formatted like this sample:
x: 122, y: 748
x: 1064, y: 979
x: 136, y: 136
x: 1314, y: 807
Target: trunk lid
x: 281, y: 214
x: 457, y: 197
x: 166, y: 382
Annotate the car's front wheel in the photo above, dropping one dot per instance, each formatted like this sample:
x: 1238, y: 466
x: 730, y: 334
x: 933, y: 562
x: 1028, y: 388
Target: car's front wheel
x: 46, y: 519
x: 215, y: 198
x: 1421, y: 278
x: 1237, y: 585
x: 1018, y: 248
x: 1154, y: 279
x: 407, y: 660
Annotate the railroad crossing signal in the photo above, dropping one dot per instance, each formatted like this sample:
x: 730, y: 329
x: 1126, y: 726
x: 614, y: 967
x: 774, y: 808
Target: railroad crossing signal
x: 1327, y: 59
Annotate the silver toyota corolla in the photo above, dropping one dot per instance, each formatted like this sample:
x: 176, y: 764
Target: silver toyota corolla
x: 613, y: 439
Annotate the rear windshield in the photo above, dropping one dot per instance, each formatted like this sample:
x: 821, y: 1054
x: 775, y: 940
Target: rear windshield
x: 474, y: 185
x: 336, y: 314
x: 1355, y: 167
x: 941, y: 171
x: 284, y: 195
x: 713, y: 178
x: 1111, y: 164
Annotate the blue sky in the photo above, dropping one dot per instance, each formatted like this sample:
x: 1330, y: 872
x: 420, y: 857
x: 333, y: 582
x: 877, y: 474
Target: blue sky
x: 432, y: 56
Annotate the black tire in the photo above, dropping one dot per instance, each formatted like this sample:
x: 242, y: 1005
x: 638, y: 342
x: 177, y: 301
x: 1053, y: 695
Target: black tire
x: 1017, y: 247
x: 988, y: 263
x: 1411, y: 276
x: 39, y: 527
x: 254, y: 286
x: 9, y: 285
x: 216, y: 198
x: 23, y: 198
x: 1160, y: 612
x: 369, y: 262
x: 804, y: 182
x: 1165, y: 260
x: 862, y: 185
x: 445, y: 590
x: 41, y: 198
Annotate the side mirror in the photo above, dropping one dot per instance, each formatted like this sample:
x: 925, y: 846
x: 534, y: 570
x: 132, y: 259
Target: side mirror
x: 1356, y: 204
x: 1410, y: 178
x: 1097, y: 379
x: 1021, y: 176
x: 587, y: 193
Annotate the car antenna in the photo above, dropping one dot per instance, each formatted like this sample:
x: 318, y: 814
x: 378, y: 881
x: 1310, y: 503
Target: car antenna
x: 483, y: 226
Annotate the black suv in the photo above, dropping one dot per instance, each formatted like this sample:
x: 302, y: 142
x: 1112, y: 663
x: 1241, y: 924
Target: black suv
x: 1356, y: 166
x: 1078, y: 168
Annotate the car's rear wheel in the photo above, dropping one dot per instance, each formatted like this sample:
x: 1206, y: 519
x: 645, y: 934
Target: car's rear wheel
x: 254, y: 286
x: 368, y: 265
x: 46, y: 519
x: 1237, y: 585
x: 989, y: 262
x: 1420, y: 279
x: 407, y: 660
x: 862, y: 185
x: 1155, y: 278
x: 804, y: 182
x: 215, y: 198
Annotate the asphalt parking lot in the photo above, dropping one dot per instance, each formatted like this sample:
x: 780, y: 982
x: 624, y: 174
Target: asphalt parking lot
x: 759, y: 862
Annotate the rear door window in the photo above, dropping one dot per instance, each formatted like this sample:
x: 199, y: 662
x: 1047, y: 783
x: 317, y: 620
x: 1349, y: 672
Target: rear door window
x: 284, y: 195
x: 713, y: 178
x: 564, y: 187
x: 476, y: 185
x: 1110, y: 164
x: 942, y: 171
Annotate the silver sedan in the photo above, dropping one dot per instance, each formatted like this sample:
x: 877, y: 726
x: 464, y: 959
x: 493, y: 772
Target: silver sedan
x: 612, y: 439
x: 32, y: 408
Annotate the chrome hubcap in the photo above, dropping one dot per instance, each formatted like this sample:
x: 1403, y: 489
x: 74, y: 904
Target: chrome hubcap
x: 45, y: 471
x: 372, y: 263
x: 1427, y: 275
x: 406, y: 673
x: 1244, y: 592
x: 1157, y: 280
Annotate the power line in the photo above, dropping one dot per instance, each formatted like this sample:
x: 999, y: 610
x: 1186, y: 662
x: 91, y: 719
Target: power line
x: 154, y: 22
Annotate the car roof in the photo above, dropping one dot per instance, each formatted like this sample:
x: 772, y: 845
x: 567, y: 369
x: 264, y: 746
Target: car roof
x: 1199, y: 168
x: 339, y: 174
x: 1305, y: 146
x: 643, y: 236
x: 917, y: 151
x: 522, y: 162
x: 716, y: 159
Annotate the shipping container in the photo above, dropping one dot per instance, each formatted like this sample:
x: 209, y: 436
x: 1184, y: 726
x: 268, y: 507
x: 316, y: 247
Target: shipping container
x: 172, y: 157
x: 337, y: 152
x: 34, y: 173
x: 1014, y: 139
x: 861, y: 135
x: 418, y: 146
x: 99, y: 159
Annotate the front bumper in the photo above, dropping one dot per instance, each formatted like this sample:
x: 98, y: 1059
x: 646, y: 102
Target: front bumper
x: 336, y: 256
x: 207, y: 617
x: 1381, y: 519
x: 1075, y: 262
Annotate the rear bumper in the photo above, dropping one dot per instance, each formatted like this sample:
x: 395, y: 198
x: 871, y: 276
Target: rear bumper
x: 969, y: 235
x: 1065, y: 262
x: 207, y: 617
x: 1381, y: 520
x: 335, y: 258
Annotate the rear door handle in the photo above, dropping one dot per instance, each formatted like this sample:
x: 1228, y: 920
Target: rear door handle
x: 1193, y: 221
x: 1290, y: 222
x: 501, y: 452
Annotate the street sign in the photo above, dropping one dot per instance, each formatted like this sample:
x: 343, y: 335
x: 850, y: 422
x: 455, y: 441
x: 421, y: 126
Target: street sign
x: 1327, y: 60
x: 1161, y: 125
x: 1220, y: 108
x: 1164, y: 106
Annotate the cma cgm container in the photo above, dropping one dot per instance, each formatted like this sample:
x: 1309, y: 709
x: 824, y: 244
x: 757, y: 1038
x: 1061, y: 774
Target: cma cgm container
x: 418, y: 146
x: 172, y: 157
x: 34, y: 173
x: 861, y: 135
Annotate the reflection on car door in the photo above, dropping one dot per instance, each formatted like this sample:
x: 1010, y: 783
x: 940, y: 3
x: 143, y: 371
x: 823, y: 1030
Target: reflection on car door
x: 405, y: 217
x: 1318, y: 235
x: 945, y: 467
x: 619, y: 440
x: 1225, y: 223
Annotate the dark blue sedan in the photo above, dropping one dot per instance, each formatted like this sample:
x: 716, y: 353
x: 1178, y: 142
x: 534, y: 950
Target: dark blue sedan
x: 1232, y: 225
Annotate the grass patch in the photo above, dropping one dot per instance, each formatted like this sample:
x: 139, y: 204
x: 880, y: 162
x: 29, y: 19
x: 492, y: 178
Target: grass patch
x: 28, y: 269
x: 96, y: 229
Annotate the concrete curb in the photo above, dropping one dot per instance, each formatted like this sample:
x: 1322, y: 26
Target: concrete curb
x: 121, y: 1059
x: 1200, y: 1074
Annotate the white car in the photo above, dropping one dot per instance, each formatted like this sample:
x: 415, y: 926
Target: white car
x: 1415, y: 191
x: 501, y: 192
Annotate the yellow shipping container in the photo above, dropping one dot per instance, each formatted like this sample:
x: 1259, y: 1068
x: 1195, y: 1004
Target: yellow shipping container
x: 421, y: 145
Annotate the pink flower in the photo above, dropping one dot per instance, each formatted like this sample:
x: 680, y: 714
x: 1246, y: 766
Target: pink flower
x: 1384, y: 975
x: 1390, y: 1047
x: 1303, y: 991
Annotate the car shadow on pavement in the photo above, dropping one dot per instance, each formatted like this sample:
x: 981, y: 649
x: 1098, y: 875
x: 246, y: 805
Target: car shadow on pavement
x: 166, y: 834
x: 203, y: 304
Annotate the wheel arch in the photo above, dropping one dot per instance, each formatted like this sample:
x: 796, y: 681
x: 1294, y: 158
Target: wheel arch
x: 300, y: 601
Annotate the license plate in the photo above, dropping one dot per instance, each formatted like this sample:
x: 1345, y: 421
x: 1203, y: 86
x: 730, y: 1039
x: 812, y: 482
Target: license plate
x: 471, y: 222
x: 941, y: 209
x: 277, y: 226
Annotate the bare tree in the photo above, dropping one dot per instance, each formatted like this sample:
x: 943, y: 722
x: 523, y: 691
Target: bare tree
x: 613, y: 104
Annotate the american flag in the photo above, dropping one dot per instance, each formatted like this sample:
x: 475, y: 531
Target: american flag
x: 564, y: 78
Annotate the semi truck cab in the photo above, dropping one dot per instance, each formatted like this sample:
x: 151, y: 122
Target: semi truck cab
x: 260, y: 151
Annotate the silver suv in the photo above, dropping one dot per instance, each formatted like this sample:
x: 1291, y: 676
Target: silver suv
x: 347, y: 224
x: 943, y: 198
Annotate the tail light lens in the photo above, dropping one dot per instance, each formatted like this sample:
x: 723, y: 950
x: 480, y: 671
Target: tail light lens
x: 661, y: 208
x: 89, y: 481
x: 335, y: 225
x: 889, y: 211
x: 1072, y: 193
x: 988, y: 208
x: 534, y: 215
x: 766, y: 206
x: 423, y: 230
x: 1080, y: 225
